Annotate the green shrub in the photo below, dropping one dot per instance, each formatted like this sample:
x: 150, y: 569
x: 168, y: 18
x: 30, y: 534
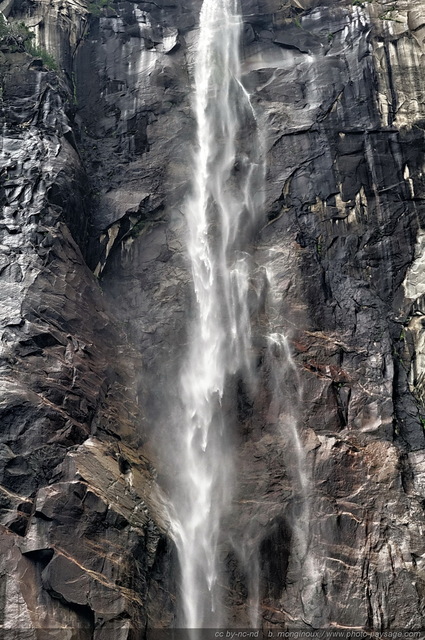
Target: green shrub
x: 38, y: 52
x: 95, y: 7
x: 14, y: 35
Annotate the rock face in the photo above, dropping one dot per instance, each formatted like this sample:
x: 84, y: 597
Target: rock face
x: 81, y: 535
x: 96, y: 292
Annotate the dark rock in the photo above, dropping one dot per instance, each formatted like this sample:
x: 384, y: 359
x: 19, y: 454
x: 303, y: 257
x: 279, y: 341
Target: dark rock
x: 95, y: 170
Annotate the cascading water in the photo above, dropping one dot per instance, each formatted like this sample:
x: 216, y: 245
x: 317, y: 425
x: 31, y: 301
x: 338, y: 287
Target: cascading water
x: 286, y: 398
x: 220, y: 214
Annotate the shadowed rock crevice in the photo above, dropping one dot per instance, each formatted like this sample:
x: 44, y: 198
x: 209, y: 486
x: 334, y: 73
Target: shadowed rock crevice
x: 274, y: 555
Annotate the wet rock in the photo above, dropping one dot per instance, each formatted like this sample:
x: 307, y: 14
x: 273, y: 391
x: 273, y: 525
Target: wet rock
x: 96, y: 166
x: 62, y: 384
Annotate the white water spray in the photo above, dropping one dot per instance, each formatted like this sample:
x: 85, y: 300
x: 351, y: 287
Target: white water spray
x: 287, y: 394
x: 220, y: 214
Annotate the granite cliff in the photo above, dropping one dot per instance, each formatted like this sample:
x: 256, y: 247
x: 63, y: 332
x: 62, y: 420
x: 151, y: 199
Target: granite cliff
x: 95, y: 291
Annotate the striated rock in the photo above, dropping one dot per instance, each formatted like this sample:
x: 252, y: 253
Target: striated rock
x: 73, y: 556
x: 95, y: 170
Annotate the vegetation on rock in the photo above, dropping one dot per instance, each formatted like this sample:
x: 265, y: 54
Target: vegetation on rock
x: 18, y: 37
x: 95, y: 7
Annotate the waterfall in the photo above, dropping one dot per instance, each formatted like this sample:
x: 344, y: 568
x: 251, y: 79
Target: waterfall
x: 220, y: 215
x: 286, y: 399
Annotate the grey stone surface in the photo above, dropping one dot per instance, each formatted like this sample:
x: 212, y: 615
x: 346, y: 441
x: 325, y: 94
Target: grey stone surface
x: 95, y: 297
